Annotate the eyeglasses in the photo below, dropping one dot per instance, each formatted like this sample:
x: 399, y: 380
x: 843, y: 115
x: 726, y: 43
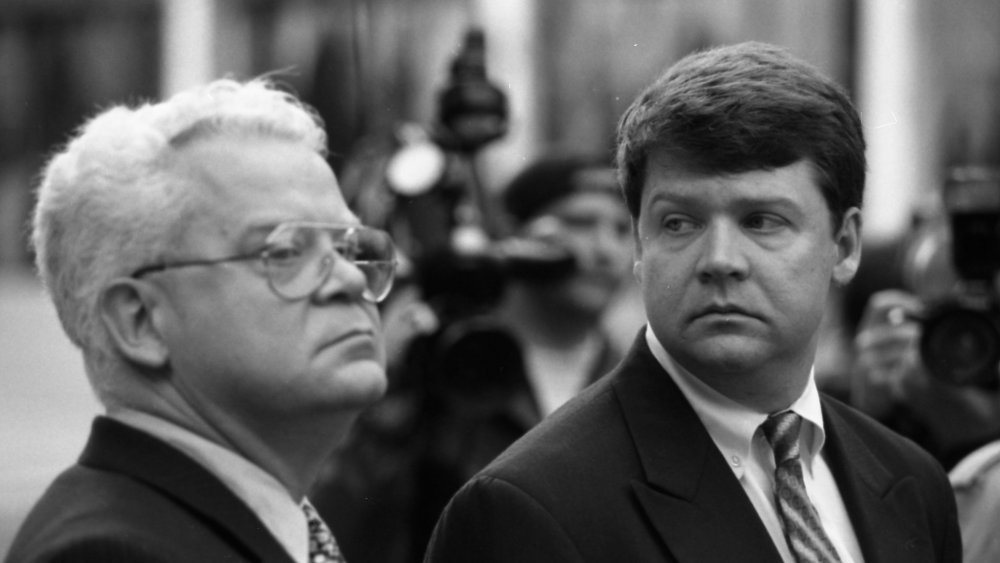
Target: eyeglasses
x: 299, y: 256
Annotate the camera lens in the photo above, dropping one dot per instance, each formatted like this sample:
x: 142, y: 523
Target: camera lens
x: 961, y: 346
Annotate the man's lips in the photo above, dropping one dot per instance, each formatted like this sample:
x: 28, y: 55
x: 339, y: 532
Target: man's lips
x: 724, y: 310
x: 359, y: 335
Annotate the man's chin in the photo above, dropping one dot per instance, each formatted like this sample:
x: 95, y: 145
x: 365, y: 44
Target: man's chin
x: 727, y: 354
x: 362, y: 383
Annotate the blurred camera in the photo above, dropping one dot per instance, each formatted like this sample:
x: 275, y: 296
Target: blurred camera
x: 471, y: 109
x: 458, y: 253
x: 960, y: 343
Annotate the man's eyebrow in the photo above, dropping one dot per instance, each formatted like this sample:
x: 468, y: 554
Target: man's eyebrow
x: 772, y: 200
x: 740, y: 201
x: 255, y: 233
x: 262, y: 227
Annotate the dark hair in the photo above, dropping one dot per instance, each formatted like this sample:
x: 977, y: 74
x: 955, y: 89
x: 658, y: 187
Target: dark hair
x: 554, y: 177
x: 745, y: 107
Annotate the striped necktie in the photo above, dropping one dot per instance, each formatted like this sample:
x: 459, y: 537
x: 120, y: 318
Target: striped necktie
x: 803, y: 531
x: 322, y: 547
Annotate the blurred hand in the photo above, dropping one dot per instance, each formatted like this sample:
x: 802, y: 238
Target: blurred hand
x: 887, y: 355
x: 889, y: 374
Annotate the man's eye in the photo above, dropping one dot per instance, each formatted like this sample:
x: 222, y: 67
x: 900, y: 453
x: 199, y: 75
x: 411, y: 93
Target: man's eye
x: 283, y: 253
x: 678, y: 224
x: 764, y: 222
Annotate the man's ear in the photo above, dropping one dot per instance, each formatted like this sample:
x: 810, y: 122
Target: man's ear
x: 126, y: 308
x: 848, y: 240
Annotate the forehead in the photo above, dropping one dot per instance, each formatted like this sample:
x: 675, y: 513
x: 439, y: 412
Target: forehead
x: 243, y: 184
x: 797, y: 183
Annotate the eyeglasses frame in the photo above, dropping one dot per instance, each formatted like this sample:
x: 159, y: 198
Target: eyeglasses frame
x: 262, y: 255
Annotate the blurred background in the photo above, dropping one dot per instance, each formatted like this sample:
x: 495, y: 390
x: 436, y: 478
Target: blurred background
x: 925, y: 74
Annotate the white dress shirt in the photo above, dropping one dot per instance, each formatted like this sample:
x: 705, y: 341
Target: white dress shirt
x: 976, y: 480
x: 265, y: 496
x: 735, y: 429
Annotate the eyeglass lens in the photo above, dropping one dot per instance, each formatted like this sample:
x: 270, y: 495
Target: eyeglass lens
x: 300, y: 258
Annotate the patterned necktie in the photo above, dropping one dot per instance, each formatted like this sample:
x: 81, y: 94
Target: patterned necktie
x: 803, y: 531
x: 322, y: 547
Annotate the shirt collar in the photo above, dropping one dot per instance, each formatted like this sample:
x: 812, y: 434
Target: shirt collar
x: 733, y: 425
x: 264, y: 494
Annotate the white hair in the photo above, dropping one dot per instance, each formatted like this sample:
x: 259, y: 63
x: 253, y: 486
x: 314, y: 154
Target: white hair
x: 108, y: 205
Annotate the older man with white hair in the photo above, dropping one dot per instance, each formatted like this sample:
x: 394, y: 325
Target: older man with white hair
x: 201, y: 255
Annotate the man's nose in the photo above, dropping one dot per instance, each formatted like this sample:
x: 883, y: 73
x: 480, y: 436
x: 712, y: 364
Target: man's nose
x: 722, y: 253
x: 342, y: 279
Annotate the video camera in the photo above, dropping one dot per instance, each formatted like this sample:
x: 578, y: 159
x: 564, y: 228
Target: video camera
x: 452, y: 226
x: 458, y: 250
x: 960, y: 343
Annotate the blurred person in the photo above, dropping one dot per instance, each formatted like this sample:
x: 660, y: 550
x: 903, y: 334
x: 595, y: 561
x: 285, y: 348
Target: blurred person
x: 947, y: 265
x: 891, y: 383
x: 557, y: 319
x: 200, y: 254
x: 743, y: 169
x: 412, y: 452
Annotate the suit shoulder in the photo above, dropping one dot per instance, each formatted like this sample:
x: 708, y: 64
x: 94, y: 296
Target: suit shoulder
x: 88, y: 514
x: 81, y: 507
x: 92, y: 548
x: 588, y: 427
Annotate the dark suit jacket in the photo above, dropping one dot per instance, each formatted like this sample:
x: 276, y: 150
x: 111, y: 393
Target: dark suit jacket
x: 627, y: 472
x: 132, y: 497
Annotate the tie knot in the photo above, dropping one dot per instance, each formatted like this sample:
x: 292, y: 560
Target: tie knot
x: 782, y: 432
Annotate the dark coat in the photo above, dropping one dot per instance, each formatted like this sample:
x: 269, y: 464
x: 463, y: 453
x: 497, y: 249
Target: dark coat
x: 627, y: 472
x: 131, y: 497
x: 409, y: 454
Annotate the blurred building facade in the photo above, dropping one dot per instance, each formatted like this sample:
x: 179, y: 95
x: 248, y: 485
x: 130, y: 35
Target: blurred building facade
x: 925, y: 71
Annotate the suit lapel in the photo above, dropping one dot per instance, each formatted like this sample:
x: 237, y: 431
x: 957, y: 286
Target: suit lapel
x: 120, y: 448
x: 881, y: 505
x: 690, y: 495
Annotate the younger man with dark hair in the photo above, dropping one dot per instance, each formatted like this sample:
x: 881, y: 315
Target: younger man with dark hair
x: 743, y: 169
